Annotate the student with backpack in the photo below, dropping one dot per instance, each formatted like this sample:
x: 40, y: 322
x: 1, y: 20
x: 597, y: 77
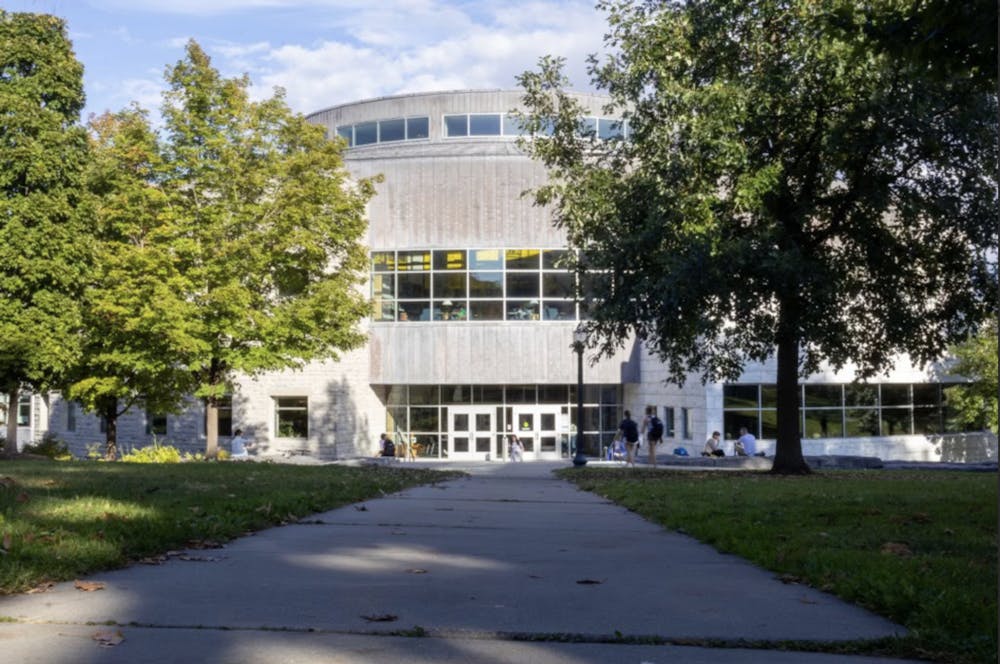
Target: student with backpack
x: 653, y: 427
x: 629, y: 431
x: 386, y: 447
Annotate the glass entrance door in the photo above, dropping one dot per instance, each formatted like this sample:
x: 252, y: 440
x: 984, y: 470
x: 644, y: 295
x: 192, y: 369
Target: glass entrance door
x: 537, y: 427
x: 471, y: 430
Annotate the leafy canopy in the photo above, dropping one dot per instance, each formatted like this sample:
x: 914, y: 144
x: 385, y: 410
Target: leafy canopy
x: 790, y: 185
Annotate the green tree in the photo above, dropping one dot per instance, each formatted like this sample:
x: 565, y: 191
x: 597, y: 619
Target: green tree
x: 976, y: 359
x: 266, y: 229
x: 790, y: 187
x: 140, y: 332
x: 43, y: 243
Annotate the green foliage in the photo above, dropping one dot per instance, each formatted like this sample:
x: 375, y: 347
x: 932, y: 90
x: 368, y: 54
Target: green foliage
x: 791, y: 186
x: 44, y: 252
x: 155, y: 453
x: 976, y: 403
x: 50, y: 446
x: 83, y: 517
x: 919, y: 548
x: 251, y: 231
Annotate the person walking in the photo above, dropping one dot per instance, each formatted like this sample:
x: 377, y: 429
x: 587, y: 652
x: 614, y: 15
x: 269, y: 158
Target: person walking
x: 652, y: 426
x: 629, y: 431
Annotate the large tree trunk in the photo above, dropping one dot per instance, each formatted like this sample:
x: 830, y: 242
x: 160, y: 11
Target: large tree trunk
x: 10, y: 446
x: 109, y: 411
x: 788, y: 458
x: 211, y: 428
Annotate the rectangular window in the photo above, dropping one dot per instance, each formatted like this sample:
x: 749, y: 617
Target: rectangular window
x: 291, y: 417
x: 484, y: 125
x: 366, y: 133
x: 485, y: 259
x: 224, y: 410
x: 824, y: 396
x: 512, y: 126
x: 608, y: 128
x: 383, y: 261
x: 70, y: 416
x: 449, y: 259
x: 523, y: 259
x: 687, y: 423
x: 391, y: 130
x: 824, y: 423
x: 456, y: 125
x: 740, y: 396
x: 24, y: 410
x: 486, y: 284
x: 413, y: 261
x: 346, y: 133
x: 417, y: 128
x: 895, y: 395
x: 156, y: 424
x: 669, y: 428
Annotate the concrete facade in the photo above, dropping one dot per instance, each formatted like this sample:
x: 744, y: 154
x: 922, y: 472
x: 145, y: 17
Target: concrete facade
x: 464, y: 193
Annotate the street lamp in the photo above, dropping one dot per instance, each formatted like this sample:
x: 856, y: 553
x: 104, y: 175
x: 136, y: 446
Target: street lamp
x: 579, y: 340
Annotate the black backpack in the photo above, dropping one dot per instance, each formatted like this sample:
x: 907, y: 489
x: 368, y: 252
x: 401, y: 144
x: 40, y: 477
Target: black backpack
x: 389, y: 450
x: 630, y: 430
x: 655, y: 428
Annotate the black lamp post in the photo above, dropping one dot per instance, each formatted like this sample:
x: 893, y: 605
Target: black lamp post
x: 579, y: 340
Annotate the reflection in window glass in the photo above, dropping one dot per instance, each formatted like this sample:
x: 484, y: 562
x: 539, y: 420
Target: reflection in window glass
x: 522, y: 309
x: 553, y: 259
x: 896, y: 422
x: 926, y: 394
x: 448, y: 284
x: 557, y: 284
x: 383, y: 261
x: 553, y: 394
x: 449, y: 259
x: 823, y: 396
x: 456, y: 394
x: 291, y: 415
x: 424, y: 418
x: 423, y: 395
x: 734, y: 419
x: 413, y: 261
x: 522, y: 284
x: 366, y: 133
x: 485, y: 259
x: 769, y: 396
x: 512, y: 126
x: 861, y: 422
x: 414, y: 285
x: 523, y: 259
x: 824, y: 423
x: 608, y: 128
x: 588, y: 127
x: 417, y: 128
x: 391, y: 130
x: 484, y: 125
x: 739, y: 396
x: 856, y: 394
x: 520, y: 394
x: 456, y: 125
x: 895, y: 395
x: 927, y: 421
x: 346, y: 133
x: 486, y: 284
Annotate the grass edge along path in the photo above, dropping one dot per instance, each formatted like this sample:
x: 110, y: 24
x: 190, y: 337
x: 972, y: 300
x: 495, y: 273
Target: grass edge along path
x: 917, y: 547
x: 63, y: 520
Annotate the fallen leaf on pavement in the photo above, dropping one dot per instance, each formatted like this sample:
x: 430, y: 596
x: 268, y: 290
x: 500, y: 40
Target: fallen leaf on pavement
x: 381, y: 617
x: 108, y: 638
x: 42, y: 588
x: 88, y: 586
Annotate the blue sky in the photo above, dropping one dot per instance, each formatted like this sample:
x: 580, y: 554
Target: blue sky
x: 323, y: 52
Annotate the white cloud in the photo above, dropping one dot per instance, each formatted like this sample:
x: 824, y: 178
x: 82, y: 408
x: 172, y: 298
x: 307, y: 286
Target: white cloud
x: 458, y: 50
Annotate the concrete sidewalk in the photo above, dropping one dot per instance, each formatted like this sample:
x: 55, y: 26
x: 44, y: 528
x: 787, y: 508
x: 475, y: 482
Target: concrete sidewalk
x: 478, y: 566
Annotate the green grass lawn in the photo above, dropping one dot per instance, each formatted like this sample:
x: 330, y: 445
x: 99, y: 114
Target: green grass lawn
x: 918, y: 547
x: 61, y: 520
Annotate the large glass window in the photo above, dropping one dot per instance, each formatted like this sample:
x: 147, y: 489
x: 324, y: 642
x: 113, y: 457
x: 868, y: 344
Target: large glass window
x: 484, y: 125
x: 366, y: 133
x: 391, y: 130
x: 456, y: 125
x: 417, y: 128
x: 477, y: 284
x: 384, y: 131
x: 291, y: 417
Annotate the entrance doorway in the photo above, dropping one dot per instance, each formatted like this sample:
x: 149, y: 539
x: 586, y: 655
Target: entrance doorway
x: 471, y: 430
x: 542, y: 431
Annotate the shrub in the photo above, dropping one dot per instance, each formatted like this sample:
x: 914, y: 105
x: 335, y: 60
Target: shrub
x: 155, y: 453
x: 50, y: 446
